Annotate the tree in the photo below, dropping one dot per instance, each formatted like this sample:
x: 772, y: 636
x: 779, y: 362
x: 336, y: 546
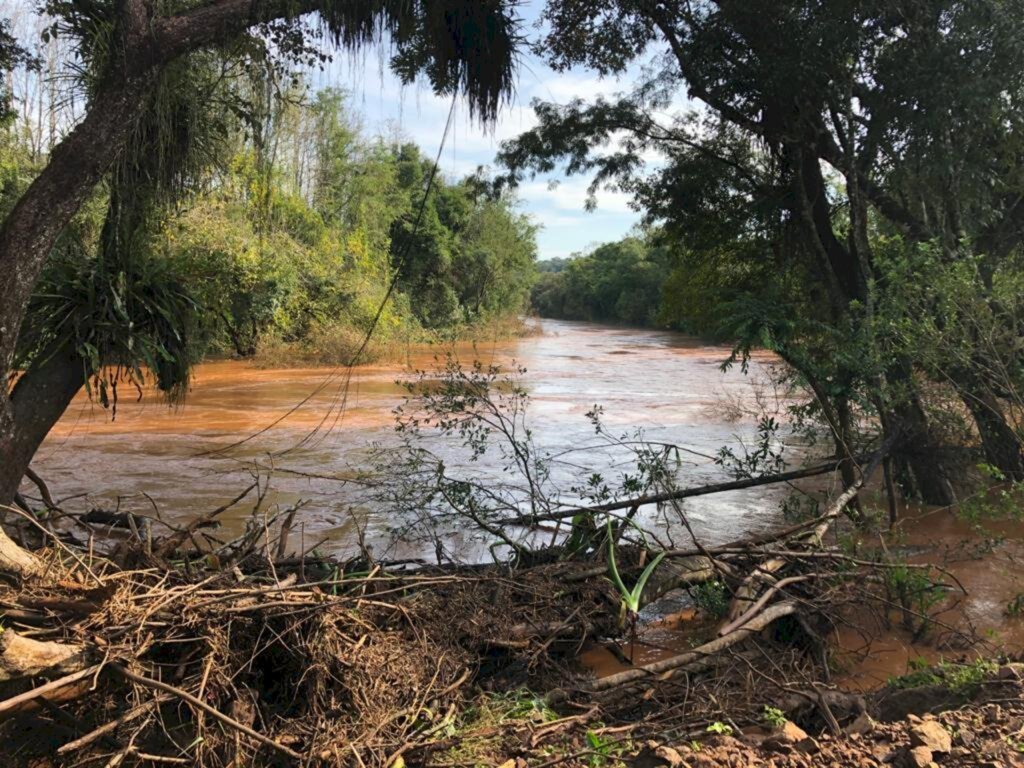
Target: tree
x: 618, y: 282
x: 820, y: 126
x: 461, y: 46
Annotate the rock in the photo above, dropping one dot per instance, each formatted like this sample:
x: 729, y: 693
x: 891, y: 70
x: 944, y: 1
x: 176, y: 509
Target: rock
x: 930, y: 734
x: 790, y: 732
x: 862, y: 725
x: 655, y: 755
x: 808, y: 746
x: 785, y: 737
x: 1012, y: 671
x: 919, y: 757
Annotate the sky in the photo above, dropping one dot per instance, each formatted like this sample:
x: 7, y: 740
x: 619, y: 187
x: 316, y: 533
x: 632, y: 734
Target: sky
x: 554, y: 202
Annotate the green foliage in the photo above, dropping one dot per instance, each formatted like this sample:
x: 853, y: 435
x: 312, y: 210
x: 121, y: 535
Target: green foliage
x: 604, y: 750
x: 915, y: 593
x: 957, y: 677
x: 123, y: 321
x: 301, y: 252
x: 711, y: 597
x: 618, y: 282
x: 774, y: 717
x: 630, y: 597
x: 719, y: 729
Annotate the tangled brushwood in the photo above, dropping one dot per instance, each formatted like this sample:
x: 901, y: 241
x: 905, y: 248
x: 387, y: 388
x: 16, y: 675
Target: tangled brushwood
x: 168, y: 653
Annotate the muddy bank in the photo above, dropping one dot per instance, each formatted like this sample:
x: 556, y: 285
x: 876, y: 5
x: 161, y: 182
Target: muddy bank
x: 985, y: 558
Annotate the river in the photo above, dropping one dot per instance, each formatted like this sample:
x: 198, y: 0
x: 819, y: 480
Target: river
x: 321, y: 422
x: 186, y: 460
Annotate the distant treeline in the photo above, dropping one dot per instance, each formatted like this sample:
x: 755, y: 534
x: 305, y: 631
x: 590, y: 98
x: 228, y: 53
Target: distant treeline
x: 620, y: 282
x: 615, y: 283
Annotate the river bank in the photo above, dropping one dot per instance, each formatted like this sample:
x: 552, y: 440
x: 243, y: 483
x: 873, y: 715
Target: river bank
x: 255, y: 659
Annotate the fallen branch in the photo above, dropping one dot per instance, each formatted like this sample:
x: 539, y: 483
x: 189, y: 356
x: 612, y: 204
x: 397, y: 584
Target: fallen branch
x: 683, y: 493
x: 15, y: 702
x: 666, y: 668
x: 113, y: 725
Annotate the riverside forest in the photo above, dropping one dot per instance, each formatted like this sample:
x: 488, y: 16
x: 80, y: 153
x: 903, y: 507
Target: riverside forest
x: 517, y: 383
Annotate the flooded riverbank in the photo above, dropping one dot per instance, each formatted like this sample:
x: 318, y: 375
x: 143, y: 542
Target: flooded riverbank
x: 314, y: 424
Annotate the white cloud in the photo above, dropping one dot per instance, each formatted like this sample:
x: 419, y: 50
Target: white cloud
x: 571, y: 195
x: 563, y: 87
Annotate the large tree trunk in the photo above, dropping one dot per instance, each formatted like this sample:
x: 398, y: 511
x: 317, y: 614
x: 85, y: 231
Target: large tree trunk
x: 999, y: 441
x: 931, y: 475
x: 37, y: 401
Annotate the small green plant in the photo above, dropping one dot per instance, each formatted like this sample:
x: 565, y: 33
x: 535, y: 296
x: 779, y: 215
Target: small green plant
x: 914, y: 591
x: 774, y: 717
x: 630, y: 597
x: 719, y: 728
x: 711, y: 597
x: 1015, y: 608
x: 603, y: 751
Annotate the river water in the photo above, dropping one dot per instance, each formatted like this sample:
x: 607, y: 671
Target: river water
x: 320, y: 422
x: 315, y: 424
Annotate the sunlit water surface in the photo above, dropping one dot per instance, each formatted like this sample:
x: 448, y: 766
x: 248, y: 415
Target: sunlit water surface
x: 322, y: 422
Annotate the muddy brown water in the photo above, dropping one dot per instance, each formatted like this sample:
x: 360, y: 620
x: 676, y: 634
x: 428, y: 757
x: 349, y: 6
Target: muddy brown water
x: 314, y: 424
x: 321, y: 422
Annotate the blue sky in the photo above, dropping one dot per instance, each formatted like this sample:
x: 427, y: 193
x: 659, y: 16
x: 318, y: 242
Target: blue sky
x: 384, y: 105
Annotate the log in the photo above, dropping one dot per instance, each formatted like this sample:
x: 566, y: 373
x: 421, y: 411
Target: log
x: 683, y: 493
x: 699, y: 656
x: 16, y: 561
x: 22, y: 657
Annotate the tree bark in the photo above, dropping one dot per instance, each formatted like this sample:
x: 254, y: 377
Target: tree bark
x: 37, y: 401
x: 999, y: 441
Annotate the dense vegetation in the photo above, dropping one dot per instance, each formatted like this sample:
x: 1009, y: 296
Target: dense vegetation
x: 827, y: 200
x: 294, y: 240
x: 617, y: 282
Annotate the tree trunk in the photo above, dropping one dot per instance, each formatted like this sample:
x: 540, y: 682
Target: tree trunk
x: 999, y: 441
x: 37, y: 401
x: 930, y: 472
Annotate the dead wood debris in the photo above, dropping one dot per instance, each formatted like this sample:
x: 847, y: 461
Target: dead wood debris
x: 228, y: 654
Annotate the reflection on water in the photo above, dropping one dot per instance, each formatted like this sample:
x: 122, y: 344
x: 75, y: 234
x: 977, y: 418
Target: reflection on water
x: 666, y: 383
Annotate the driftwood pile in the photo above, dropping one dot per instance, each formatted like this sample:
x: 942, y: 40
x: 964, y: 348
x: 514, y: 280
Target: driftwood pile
x: 251, y: 657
